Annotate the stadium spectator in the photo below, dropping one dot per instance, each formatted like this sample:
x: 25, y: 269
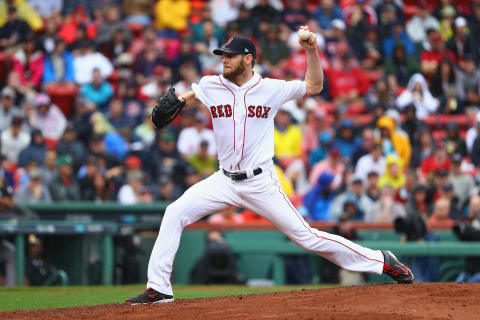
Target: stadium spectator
x: 295, y: 14
x: 85, y: 176
x: 325, y: 13
x: 204, y: 163
x: 226, y: 216
x: 13, y: 31
x: 47, y: 8
x: 48, y: 118
x: 14, y: 140
x: 64, y: 187
x: 8, y: 109
x: 417, y: 93
x: 287, y: 137
x: 274, y: 50
x: 39, y: 271
x: 59, y: 65
x: 332, y: 164
x: 70, y: 145
x: 190, y: 138
x: 423, y: 147
x: 324, y: 146
x: 49, y: 170
x: 468, y: 83
x: 189, y: 75
x: 393, y: 176
x: 401, y: 66
x: 320, y: 198
x: 463, y: 183
x: 437, y: 161
x: 372, y: 161
x: 134, y: 191
x: 349, y: 82
x: 167, y: 189
x: 35, y: 191
x: 356, y: 196
x: 433, y: 53
x: 116, y: 115
x: 453, y: 142
x: 441, y: 214
x: 110, y: 26
x: 392, y: 141
x: 171, y: 15
x: 420, y: 23
x: 386, y: 209
x: 371, y: 186
x: 35, y: 151
x: 87, y: 60
x: 381, y: 93
x: 28, y: 64
x: 98, y: 91
x: 346, y: 141
x: 102, y: 192
x: 462, y: 41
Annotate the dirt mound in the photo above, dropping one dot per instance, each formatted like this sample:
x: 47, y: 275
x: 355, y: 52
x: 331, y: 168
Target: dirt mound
x: 388, y: 301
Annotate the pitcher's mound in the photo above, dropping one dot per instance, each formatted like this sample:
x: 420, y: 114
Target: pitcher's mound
x: 382, y: 302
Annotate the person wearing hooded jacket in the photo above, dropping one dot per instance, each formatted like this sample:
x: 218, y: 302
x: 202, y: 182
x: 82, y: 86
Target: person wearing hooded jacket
x: 35, y: 151
x: 417, y: 92
x: 319, y: 200
x: 394, y: 175
x: 394, y: 142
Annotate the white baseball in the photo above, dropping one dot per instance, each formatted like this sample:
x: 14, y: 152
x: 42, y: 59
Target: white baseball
x: 304, y: 34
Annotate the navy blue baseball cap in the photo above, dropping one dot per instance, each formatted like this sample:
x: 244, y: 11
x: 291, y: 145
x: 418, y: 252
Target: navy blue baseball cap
x: 240, y: 45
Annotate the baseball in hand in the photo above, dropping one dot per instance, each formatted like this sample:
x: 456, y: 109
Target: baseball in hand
x: 304, y: 34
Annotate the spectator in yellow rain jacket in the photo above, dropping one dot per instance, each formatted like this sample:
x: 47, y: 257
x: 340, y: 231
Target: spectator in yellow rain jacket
x: 393, y: 176
x: 394, y: 142
x: 25, y: 12
x: 172, y: 14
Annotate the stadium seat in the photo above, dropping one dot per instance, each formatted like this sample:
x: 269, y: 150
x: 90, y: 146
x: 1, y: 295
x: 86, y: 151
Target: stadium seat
x: 63, y: 96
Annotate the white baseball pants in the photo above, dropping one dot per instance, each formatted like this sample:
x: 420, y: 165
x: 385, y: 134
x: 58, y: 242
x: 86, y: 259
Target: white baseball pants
x: 262, y: 194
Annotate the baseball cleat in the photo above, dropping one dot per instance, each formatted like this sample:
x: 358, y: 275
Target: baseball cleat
x: 395, y: 269
x: 149, y: 296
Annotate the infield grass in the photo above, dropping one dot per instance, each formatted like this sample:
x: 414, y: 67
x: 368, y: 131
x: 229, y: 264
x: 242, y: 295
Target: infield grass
x: 59, y: 297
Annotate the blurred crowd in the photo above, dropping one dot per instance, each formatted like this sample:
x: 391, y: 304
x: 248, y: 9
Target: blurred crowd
x: 394, y: 134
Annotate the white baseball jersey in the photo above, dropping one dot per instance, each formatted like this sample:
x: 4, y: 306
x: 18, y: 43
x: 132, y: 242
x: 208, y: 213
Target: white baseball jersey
x: 243, y: 127
x: 243, y: 116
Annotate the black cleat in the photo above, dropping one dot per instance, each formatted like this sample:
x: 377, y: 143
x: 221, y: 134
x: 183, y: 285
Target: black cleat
x: 395, y: 269
x: 149, y: 296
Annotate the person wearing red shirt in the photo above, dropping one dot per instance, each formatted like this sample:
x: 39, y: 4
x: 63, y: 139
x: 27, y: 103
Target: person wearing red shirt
x: 349, y: 83
x: 439, y: 160
x: 433, y: 54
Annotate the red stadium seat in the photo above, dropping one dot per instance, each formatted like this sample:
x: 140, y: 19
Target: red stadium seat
x: 63, y: 96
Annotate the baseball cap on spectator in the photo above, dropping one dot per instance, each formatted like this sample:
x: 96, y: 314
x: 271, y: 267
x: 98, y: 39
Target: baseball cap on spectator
x: 447, y: 186
x: 167, y: 136
x: 448, y: 11
x: 355, y: 179
x: 236, y: 44
x: 65, y: 160
x: 456, y: 158
x: 42, y: 99
x: 339, y: 24
x: 442, y: 172
x: 133, y: 162
x: 8, y: 92
x: 134, y: 175
x: 164, y: 179
x: 372, y: 173
x: 460, y: 22
x: 35, y: 174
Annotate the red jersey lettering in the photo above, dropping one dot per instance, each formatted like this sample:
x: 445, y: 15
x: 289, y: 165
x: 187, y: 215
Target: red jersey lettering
x: 251, y: 112
x: 228, y: 110
x: 214, y: 111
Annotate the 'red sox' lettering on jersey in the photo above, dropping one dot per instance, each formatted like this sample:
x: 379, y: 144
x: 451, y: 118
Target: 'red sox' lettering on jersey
x: 243, y: 115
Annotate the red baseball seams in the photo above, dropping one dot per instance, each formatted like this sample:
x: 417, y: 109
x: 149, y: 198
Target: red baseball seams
x: 245, y: 122
x: 310, y: 230
x: 232, y: 112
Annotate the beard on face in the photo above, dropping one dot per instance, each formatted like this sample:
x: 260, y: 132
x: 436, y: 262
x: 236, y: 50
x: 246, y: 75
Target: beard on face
x: 234, y: 73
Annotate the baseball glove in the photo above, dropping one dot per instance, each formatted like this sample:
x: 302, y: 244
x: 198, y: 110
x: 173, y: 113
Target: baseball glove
x: 167, y: 108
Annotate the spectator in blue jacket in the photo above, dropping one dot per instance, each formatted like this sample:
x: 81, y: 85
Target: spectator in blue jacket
x: 326, y: 12
x: 98, y: 91
x: 346, y: 142
x: 35, y: 151
x: 318, y: 200
x: 59, y: 65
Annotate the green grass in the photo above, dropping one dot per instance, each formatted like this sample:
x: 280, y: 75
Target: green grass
x: 58, y: 297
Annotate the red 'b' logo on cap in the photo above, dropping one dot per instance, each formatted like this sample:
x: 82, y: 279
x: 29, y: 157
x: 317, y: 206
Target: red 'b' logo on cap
x: 228, y: 41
